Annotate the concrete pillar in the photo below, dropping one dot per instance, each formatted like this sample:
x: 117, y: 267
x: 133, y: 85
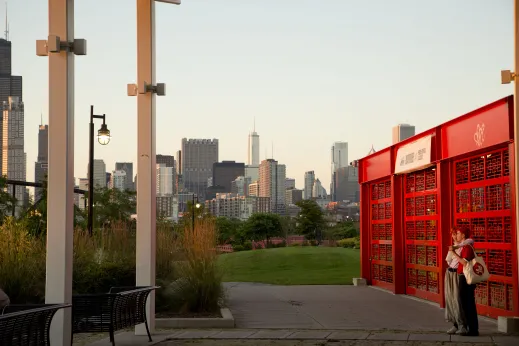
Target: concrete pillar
x: 146, y: 168
x: 60, y: 199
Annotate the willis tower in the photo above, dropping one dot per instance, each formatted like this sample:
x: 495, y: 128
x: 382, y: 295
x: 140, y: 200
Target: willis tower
x: 9, y: 85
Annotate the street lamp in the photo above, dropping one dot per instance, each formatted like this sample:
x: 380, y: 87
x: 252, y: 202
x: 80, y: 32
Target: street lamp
x: 103, y: 137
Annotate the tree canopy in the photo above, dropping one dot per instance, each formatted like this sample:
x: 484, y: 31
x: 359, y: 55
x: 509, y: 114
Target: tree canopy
x: 310, y: 221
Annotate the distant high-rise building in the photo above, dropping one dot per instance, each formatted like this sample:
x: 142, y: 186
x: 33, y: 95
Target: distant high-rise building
x: 165, y: 180
x: 309, y: 184
x: 272, y: 184
x: 240, y: 186
x: 41, y: 166
x: 253, y: 148
x: 402, y: 132
x: 252, y: 172
x: 290, y: 183
x: 347, y: 185
x: 118, y: 180
x: 167, y: 160
x: 292, y: 196
x: 339, y: 155
x: 254, y: 189
x: 318, y: 191
x: 83, y: 185
x: 9, y: 85
x: 225, y: 172
x: 128, y: 168
x: 99, y: 173
x: 198, y: 157
x: 13, y: 155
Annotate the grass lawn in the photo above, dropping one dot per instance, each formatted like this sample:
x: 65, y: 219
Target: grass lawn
x: 306, y: 265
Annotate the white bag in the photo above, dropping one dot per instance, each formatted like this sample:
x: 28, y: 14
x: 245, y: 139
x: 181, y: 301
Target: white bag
x: 476, y: 270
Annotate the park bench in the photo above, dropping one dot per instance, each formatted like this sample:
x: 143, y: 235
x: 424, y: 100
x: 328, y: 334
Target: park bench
x: 120, y: 308
x: 27, y: 325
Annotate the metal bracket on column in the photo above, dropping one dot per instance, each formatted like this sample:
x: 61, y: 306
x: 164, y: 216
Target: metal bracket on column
x: 54, y: 45
x: 507, y: 76
x: 159, y: 89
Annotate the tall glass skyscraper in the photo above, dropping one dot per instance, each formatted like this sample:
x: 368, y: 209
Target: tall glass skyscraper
x: 9, y: 85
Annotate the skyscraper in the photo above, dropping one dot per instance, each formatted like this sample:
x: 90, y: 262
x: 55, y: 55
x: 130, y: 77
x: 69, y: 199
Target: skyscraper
x: 165, y: 180
x: 41, y: 166
x: 339, y: 159
x: 9, y: 85
x: 198, y: 156
x: 272, y: 177
x: 253, y: 147
x: 13, y: 155
x: 118, y: 180
x: 128, y: 168
x: 225, y: 172
x: 402, y: 132
x: 309, y: 184
x: 99, y: 173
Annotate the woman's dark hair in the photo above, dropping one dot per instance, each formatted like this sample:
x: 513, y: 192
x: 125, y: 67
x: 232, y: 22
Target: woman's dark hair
x: 464, y: 230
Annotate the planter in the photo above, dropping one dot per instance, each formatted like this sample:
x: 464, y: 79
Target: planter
x: 226, y: 321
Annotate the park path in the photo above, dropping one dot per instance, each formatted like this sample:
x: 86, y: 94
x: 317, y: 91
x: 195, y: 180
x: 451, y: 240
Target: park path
x: 333, y: 307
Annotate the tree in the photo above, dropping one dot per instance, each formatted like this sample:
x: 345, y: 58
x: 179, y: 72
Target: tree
x: 229, y: 230
x: 262, y: 226
x: 289, y: 226
x: 310, y: 221
x: 343, y: 230
x: 113, y: 205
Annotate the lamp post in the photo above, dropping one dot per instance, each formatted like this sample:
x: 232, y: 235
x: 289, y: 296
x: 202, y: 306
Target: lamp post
x: 195, y: 207
x: 103, y: 137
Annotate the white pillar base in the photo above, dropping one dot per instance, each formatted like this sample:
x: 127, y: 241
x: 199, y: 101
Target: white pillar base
x: 359, y: 282
x: 508, y: 325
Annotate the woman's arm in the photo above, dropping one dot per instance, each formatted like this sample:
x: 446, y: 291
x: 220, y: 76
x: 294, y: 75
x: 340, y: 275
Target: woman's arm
x: 460, y: 259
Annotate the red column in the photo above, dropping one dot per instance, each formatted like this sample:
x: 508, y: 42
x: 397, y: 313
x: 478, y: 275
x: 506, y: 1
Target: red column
x: 399, y: 271
x: 365, y: 225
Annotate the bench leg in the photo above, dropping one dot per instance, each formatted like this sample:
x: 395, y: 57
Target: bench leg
x: 147, y: 329
x: 112, y: 339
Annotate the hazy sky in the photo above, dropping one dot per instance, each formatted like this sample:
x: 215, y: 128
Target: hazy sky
x: 311, y: 72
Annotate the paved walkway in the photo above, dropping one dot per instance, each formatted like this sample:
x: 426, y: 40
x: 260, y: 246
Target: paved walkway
x: 334, y: 307
x: 284, y: 337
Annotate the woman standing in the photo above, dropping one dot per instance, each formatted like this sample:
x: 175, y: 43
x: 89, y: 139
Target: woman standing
x: 467, y: 297
x: 453, y: 311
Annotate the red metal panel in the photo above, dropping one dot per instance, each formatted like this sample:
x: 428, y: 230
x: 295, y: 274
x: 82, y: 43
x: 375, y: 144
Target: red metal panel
x: 422, y: 234
x: 482, y: 128
x: 482, y: 201
x: 398, y: 237
x: 381, y: 234
x: 365, y: 226
x: 375, y: 166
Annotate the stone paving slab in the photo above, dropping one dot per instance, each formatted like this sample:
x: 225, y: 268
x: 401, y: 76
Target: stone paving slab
x: 310, y: 335
x: 474, y: 339
x: 271, y: 334
x: 207, y: 342
x: 389, y: 336
x: 342, y: 335
x: 196, y: 334
x: 233, y: 334
x: 429, y: 337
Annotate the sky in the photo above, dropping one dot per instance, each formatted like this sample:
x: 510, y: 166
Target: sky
x: 310, y: 73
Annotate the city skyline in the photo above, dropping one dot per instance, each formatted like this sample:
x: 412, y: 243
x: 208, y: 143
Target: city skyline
x: 274, y: 78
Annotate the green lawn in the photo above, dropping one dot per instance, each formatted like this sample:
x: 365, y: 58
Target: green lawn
x: 292, y: 266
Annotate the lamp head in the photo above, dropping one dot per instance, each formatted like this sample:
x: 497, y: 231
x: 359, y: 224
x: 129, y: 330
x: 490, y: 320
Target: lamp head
x: 197, y: 205
x: 103, y: 135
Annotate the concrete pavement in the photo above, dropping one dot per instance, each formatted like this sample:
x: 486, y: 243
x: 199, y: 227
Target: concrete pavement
x: 334, y: 307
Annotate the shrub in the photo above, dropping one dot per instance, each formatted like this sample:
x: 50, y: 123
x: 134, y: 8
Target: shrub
x: 247, y: 245
x: 305, y: 243
x: 313, y: 242
x: 346, y: 243
x: 295, y: 244
x: 199, y: 287
x: 108, y: 259
x: 238, y: 248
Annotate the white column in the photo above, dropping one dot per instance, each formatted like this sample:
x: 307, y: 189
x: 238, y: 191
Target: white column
x: 516, y: 120
x: 146, y: 168
x: 60, y: 199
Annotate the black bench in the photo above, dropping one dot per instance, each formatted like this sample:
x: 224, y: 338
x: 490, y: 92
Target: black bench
x: 22, y: 325
x: 121, y: 308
